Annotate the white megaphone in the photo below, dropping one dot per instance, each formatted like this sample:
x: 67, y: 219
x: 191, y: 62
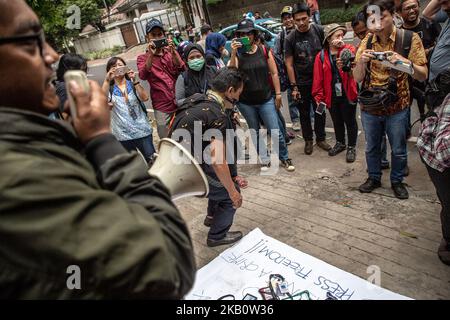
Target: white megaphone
x: 179, y: 171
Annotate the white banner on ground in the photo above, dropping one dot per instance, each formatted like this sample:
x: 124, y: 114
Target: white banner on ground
x: 246, y: 267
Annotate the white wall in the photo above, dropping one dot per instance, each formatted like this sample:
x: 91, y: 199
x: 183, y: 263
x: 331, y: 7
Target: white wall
x: 99, y: 41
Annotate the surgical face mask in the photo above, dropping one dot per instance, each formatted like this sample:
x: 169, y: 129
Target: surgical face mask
x: 196, y: 64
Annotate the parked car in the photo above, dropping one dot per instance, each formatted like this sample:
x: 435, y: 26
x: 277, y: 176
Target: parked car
x: 268, y: 27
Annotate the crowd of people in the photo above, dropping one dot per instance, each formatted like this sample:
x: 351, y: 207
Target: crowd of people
x: 74, y: 192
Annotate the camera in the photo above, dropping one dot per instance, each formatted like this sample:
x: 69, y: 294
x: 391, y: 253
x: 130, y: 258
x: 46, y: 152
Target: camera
x: 160, y: 43
x: 380, y: 56
x: 121, y: 71
x: 347, y: 59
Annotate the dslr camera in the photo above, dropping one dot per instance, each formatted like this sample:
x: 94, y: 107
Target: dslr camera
x: 380, y: 56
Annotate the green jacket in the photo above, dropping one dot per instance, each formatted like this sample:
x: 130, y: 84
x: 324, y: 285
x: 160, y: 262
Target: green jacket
x: 96, y: 208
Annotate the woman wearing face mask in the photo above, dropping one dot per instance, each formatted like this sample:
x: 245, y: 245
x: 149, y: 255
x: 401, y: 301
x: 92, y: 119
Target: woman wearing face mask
x: 197, y: 78
x: 129, y: 120
x: 256, y: 102
x: 215, y: 50
x: 335, y: 87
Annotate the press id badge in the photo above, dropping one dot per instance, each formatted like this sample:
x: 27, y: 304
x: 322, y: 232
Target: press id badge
x: 338, y: 88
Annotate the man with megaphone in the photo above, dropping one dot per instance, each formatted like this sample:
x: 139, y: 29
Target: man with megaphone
x: 202, y: 116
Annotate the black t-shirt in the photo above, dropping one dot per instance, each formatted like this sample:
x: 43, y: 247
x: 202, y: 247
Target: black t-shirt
x: 304, y: 48
x: 257, y: 88
x: 428, y: 32
x: 209, y: 115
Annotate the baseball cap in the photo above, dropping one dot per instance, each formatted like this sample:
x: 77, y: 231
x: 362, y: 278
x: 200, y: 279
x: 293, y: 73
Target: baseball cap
x: 154, y: 23
x: 286, y: 10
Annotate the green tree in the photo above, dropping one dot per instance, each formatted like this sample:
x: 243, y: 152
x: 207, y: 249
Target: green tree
x: 53, y: 15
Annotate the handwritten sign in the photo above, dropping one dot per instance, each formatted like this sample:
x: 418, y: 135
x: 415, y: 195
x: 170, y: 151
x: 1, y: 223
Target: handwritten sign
x: 246, y: 267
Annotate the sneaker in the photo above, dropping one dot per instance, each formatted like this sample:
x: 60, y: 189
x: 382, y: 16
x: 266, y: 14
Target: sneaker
x: 338, y: 148
x: 287, y: 164
x: 288, y: 140
x: 370, y: 185
x: 265, y: 167
x: 309, y: 146
x: 208, y: 221
x: 291, y: 135
x: 323, y: 145
x: 230, y: 237
x: 400, y: 191
x: 296, y: 126
x: 351, y: 155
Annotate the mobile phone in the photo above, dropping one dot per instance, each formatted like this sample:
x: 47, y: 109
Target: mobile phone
x: 81, y: 79
x: 160, y: 43
x: 121, y: 71
x: 246, y: 46
x: 321, y: 108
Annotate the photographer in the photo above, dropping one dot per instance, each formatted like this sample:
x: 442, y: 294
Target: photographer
x: 434, y: 147
x: 160, y: 66
x: 129, y: 120
x: 72, y: 195
x: 428, y: 32
x: 335, y: 87
x: 385, y: 94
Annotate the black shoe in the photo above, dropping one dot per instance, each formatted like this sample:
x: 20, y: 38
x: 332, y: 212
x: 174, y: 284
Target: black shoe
x: 406, y: 171
x: 385, y: 166
x: 351, y: 155
x: 400, y: 191
x: 288, y: 140
x: 444, y: 252
x: 207, y: 222
x: 338, y: 148
x: 369, y: 185
x: 230, y: 237
x: 309, y: 147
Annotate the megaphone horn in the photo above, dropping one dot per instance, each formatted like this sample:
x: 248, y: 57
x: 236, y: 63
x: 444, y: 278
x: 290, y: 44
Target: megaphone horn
x: 179, y: 171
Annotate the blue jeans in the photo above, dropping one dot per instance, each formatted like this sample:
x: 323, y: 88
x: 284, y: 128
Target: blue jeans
x: 374, y: 129
x: 144, y: 145
x: 269, y: 117
x: 293, y: 110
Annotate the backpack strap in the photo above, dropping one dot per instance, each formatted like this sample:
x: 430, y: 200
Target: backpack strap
x: 366, y: 81
x: 141, y: 104
x: 403, y: 40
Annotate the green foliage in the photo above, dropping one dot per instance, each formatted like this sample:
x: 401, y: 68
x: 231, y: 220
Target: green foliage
x: 53, y: 15
x: 103, y: 54
x: 339, y: 15
x: 209, y: 2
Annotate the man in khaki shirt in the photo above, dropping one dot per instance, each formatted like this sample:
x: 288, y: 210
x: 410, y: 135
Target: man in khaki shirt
x: 394, y: 119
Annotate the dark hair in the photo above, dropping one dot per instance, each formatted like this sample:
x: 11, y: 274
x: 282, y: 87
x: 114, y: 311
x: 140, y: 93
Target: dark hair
x: 112, y: 62
x: 385, y: 5
x: 70, y: 61
x: 300, y: 8
x: 227, y: 78
x: 400, y: 5
x: 359, y: 17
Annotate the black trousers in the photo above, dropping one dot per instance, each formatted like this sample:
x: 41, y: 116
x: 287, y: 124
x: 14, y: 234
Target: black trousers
x: 304, y: 107
x: 441, y: 181
x: 343, y: 115
x: 220, y: 207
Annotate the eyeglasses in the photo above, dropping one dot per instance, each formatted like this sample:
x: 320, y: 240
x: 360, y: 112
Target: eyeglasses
x: 411, y: 7
x: 38, y: 37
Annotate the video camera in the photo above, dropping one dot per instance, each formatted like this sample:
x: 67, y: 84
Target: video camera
x: 347, y: 59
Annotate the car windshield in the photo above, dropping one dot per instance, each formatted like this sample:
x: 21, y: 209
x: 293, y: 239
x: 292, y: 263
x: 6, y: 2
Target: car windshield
x: 273, y: 26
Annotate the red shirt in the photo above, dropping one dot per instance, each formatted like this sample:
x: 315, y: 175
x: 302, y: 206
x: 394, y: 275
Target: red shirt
x: 323, y: 76
x: 161, y: 77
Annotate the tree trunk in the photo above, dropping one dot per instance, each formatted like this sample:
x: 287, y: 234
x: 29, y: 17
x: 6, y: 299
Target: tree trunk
x: 186, y: 11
